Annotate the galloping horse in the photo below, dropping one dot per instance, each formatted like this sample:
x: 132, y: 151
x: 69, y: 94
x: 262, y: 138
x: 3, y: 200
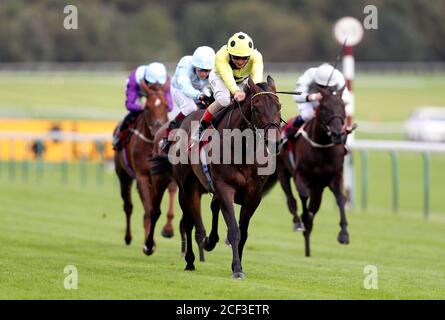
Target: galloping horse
x: 161, y: 177
x: 232, y: 183
x: 131, y: 162
x: 315, y: 162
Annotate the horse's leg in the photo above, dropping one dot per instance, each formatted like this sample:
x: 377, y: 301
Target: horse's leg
x: 211, y: 241
x: 183, y: 236
x: 167, y: 230
x: 126, y: 182
x: 157, y: 188
x: 314, y: 205
x: 200, y: 236
x: 284, y: 178
x: 247, y: 211
x: 307, y: 216
x: 187, y: 222
x: 144, y: 194
x: 226, y: 196
x: 200, y: 232
x: 336, y: 188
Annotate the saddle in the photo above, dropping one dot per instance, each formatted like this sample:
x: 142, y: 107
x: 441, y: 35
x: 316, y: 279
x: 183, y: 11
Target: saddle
x: 220, y: 115
x: 122, y: 137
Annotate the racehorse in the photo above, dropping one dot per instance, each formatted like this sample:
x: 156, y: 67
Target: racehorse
x: 316, y: 161
x: 131, y: 162
x: 232, y: 183
x: 160, y: 179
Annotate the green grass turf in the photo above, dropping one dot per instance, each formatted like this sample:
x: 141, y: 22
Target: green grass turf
x: 46, y: 225
x: 387, y: 97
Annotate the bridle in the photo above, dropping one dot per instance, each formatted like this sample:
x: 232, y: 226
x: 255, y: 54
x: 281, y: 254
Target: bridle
x: 253, y: 123
x: 325, y: 124
x: 151, y: 125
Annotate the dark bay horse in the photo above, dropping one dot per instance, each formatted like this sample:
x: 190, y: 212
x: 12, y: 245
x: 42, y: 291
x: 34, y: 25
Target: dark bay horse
x: 233, y: 182
x: 131, y: 162
x: 316, y: 162
x: 161, y: 178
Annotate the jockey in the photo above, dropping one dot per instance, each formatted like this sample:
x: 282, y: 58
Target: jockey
x: 234, y: 63
x: 137, y: 87
x: 309, y: 98
x: 190, y: 85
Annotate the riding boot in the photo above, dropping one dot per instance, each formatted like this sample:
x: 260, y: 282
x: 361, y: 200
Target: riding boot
x: 298, y: 122
x: 204, y: 123
x: 122, y: 132
x: 117, y: 137
x: 174, y: 124
x: 291, y: 131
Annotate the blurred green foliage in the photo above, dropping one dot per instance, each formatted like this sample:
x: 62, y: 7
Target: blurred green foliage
x: 283, y: 30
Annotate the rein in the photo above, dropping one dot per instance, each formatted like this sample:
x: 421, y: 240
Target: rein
x: 252, y: 124
x: 141, y: 136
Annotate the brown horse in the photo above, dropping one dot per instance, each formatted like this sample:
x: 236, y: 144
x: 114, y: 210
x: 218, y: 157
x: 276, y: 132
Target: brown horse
x: 131, y: 162
x: 315, y: 162
x: 232, y: 183
x: 161, y: 176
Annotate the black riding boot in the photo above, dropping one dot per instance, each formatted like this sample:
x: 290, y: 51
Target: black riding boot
x: 121, y: 133
x: 166, y: 143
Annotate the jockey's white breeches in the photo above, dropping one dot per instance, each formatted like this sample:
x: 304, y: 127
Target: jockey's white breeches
x: 185, y: 104
x: 220, y: 91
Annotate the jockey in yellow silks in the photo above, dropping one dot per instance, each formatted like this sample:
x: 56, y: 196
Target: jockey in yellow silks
x: 234, y: 63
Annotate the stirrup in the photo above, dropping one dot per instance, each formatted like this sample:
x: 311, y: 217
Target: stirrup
x: 165, y: 144
x: 283, y: 143
x: 115, y: 142
x: 195, y: 139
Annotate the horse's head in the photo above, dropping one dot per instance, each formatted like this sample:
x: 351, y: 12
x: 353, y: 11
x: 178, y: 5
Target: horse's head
x: 265, y: 108
x: 331, y: 113
x: 156, y: 106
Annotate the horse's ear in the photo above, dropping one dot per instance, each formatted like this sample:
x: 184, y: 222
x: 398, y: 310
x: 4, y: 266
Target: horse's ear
x: 145, y: 87
x: 251, y: 85
x: 271, y: 83
x: 323, y: 90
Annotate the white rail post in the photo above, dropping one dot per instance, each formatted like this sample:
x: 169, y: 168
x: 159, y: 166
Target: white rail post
x: 349, y: 31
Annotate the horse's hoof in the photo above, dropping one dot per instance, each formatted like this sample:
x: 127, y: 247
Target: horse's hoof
x: 147, y: 251
x: 167, y: 233
x: 190, y: 267
x: 208, y: 245
x: 299, y: 227
x: 343, y: 238
x: 238, y: 275
x: 127, y: 240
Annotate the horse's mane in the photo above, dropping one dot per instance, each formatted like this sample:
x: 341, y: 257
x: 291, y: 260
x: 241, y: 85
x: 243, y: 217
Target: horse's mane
x: 263, y: 85
x: 233, y: 106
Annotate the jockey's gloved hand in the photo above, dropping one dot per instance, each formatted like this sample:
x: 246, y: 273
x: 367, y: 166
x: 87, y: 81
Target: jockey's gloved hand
x: 239, y: 95
x: 314, y: 97
x: 205, y: 100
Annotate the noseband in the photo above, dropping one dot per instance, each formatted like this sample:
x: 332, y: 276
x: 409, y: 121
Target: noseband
x: 325, y: 124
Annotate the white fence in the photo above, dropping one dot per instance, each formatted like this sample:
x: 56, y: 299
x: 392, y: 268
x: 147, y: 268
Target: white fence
x: 393, y: 147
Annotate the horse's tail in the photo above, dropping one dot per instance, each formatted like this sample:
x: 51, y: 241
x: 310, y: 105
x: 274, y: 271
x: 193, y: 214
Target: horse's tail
x: 159, y: 165
x: 270, y: 183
